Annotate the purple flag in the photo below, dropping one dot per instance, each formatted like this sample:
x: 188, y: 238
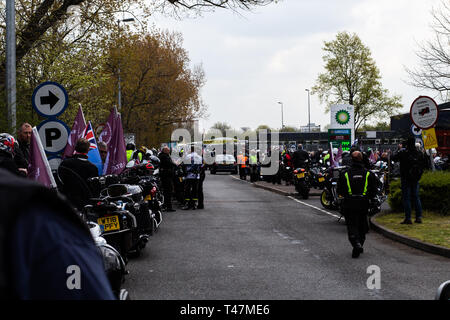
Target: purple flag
x: 107, y: 132
x: 339, y: 154
x: 38, y: 167
x: 76, y: 133
x: 372, y: 157
x: 333, y: 163
x: 116, y: 159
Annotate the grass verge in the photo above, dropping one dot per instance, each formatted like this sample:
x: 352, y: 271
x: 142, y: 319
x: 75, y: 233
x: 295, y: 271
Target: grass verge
x: 435, y: 228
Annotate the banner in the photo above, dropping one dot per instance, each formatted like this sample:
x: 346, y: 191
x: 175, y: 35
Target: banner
x: 116, y: 159
x: 38, y: 166
x: 76, y: 133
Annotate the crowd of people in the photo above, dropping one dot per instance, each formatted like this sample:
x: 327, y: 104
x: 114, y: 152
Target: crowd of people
x: 43, y: 240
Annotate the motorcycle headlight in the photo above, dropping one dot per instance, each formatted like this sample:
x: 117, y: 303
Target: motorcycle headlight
x: 111, y: 258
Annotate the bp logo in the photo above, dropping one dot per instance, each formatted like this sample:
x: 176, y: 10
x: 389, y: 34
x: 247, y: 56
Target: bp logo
x: 342, y: 117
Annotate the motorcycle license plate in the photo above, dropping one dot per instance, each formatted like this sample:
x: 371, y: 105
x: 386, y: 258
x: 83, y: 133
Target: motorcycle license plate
x: 148, y: 198
x: 321, y: 179
x: 300, y: 175
x: 109, y: 223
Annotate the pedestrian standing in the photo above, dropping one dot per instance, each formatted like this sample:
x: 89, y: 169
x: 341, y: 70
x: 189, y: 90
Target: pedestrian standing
x: 412, y: 165
x: 192, y: 165
x: 357, y: 186
x: 22, y: 150
x: 167, y: 169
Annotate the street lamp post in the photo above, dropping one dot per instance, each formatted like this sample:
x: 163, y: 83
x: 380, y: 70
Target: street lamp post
x: 309, y: 114
x: 11, y: 64
x: 120, y: 90
x: 282, y: 120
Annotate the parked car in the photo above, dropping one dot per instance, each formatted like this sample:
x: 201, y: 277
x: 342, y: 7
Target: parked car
x: 224, y: 163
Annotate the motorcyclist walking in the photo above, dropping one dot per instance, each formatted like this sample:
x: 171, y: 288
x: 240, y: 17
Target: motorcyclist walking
x: 357, y: 186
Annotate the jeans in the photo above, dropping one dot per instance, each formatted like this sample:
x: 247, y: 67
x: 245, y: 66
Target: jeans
x: 410, y: 192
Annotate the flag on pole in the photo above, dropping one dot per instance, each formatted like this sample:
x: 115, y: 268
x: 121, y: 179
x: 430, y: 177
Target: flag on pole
x: 116, y: 159
x: 38, y: 166
x: 107, y: 132
x: 333, y: 161
x: 339, y: 154
x: 93, y: 154
x: 76, y: 133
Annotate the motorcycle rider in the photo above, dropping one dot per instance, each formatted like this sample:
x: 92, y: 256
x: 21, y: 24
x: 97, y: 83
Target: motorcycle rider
x: 300, y: 157
x: 357, y: 186
x: 8, y: 147
x: 167, y: 167
x: 192, y: 164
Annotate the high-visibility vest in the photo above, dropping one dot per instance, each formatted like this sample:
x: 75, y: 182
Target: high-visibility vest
x: 242, y: 160
x: 253, y: 159
x: 129, y: 155
x: 366, y: 184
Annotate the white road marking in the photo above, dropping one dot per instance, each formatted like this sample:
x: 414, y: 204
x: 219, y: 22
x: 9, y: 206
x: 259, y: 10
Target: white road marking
x: 301, y: 202
x: 314, y: 207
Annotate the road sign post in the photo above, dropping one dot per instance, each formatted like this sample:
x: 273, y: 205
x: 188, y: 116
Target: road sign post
x: 424, y: 114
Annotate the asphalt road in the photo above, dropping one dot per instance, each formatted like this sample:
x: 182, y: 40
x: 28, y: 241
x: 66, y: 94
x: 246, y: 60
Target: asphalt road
x: 253, y: 244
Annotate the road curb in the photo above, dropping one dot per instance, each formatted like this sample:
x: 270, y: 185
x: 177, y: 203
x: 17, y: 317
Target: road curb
x: 427, y: 247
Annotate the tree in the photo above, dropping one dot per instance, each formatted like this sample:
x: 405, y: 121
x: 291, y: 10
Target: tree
x: 263, y: 127
x: 352, y: 77
x: 434, y: 56
x: 379, y: 126
x: 159, y: 90
x: 222, y: 127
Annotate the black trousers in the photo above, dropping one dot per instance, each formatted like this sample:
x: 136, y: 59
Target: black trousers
x: 167, y: 186
x: 357, y: 225
x: 200, y: 193
x: 191, y: 191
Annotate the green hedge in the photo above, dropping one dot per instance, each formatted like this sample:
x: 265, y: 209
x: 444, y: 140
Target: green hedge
x: 434, y: 193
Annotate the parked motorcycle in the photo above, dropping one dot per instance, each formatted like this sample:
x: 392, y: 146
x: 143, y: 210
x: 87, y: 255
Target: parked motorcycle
x: 123, y: 216
x: 329, y: 197
x: 317, y: 177
x: 301, y: 181
x: 113, y: 262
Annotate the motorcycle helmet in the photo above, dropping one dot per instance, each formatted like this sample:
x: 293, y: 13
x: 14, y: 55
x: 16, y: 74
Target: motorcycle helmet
x: 7, y: 142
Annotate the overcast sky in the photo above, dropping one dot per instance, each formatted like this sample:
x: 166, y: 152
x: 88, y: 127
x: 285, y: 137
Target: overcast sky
x: 256, y: 59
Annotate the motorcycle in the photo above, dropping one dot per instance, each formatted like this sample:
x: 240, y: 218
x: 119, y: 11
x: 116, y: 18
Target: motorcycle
x: 329, y: 197
x: 301, y: 181
x: 124, y: 218
x: 113, y: 262
x: 317, y: 177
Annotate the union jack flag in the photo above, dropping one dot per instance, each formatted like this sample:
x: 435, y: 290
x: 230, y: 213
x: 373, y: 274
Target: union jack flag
x: 89, y: 135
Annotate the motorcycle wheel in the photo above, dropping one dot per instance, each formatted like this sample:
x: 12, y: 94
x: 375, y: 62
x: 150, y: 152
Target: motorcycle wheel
x: 325, y: 200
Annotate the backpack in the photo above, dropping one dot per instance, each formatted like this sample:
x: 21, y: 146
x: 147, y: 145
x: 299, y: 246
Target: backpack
x: 415, y: 171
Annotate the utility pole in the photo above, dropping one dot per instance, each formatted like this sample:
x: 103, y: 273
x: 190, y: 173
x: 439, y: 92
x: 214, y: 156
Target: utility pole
x: 309, y: 113
x: 120, y: 90
x: 11, y: 64
x: 282, y: 119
